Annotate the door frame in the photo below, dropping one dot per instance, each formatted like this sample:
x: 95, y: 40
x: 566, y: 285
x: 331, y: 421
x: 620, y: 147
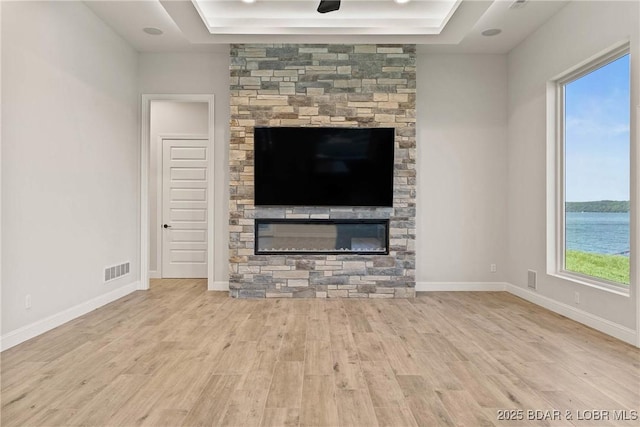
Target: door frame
x: 145, y: 149
x: 160, y: 191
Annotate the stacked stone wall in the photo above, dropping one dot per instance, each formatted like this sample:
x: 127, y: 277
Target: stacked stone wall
x: 322, y: 86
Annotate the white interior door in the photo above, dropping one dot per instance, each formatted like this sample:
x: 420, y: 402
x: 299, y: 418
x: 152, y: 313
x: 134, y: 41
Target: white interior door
x: 184, y: 208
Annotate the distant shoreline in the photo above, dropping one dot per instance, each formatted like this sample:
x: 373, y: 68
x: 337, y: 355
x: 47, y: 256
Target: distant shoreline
x: 605, y: 206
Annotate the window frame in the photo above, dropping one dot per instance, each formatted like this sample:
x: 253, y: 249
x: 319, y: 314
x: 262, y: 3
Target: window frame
x: 556, y: 257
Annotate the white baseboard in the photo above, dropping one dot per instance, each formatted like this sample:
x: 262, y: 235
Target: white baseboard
x: 623, y: 333
x: 603, y: 325
x: 27, y: 332
x: 218, y: 286
x: 155, y: 275
x: 460, y: 286
x: 608, y: 327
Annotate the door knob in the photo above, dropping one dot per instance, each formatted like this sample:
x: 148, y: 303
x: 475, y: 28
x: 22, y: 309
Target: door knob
x: 166, y: 226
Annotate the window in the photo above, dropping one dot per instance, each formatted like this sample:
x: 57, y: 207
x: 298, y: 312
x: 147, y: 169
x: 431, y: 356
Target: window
x: 594, y: 111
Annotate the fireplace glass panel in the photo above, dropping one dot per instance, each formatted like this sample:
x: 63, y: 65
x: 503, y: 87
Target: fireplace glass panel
x: 322, y: 236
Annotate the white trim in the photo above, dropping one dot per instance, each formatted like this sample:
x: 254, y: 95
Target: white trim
x: 160, y: 189
x: 34, y: 329
x: 145, y: 136
x: 608, y: 327
x: 460, y: 286
x: 556, y: 173
x: 218, y: 286
x: 623, y: 333
x: 600, y: 59
x: 145, y: 142
x: 1, y: 190
x: 211, y: 196
x: 154, y: 274
x: 635, y: 267
x: 602, y: 285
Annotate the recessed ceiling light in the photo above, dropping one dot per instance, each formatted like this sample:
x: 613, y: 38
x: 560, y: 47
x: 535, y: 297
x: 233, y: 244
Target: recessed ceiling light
x: 152, y: 31
x: 402, y: 1
x: 491, y: 32
x: 517, y: 4
x: 248, y: 1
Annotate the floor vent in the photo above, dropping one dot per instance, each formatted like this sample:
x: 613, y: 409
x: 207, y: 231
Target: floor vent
x: 532, y: 279
x: 116, y: 271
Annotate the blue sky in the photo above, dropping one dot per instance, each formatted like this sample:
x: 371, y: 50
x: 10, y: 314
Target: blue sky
x: 597, y: 108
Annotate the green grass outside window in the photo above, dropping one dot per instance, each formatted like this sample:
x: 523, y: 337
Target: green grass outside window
x: 614, y: 268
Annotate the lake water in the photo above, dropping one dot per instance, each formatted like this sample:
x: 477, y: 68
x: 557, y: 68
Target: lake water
x: 598, y: 232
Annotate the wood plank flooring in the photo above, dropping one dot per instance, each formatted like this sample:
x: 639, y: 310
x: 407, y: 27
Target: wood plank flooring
x: 180, y: 355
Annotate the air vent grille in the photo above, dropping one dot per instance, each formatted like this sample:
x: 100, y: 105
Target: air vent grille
x: 532, y: 279
x: 116, y: 271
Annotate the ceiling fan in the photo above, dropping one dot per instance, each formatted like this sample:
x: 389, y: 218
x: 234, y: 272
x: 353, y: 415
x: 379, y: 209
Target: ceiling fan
x: 328, y: 6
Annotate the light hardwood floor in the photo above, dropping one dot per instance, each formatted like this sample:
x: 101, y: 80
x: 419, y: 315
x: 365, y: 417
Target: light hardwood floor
x: 179, y: 355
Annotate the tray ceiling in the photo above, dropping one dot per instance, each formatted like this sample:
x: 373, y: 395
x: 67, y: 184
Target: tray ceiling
x: 417, y: 17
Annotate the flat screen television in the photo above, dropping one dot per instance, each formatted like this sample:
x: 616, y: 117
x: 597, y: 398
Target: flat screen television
x: 304, y: 166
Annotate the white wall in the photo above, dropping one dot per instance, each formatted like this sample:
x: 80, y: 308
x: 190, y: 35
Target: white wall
x: 168, y: 118
x: 462, y: 118
x: 69, y: 161
x: 200, y: 73
x: 461, y: 169
x: 576, y: 33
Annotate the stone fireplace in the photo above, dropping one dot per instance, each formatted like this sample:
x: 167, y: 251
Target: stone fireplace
x: 322, y: 86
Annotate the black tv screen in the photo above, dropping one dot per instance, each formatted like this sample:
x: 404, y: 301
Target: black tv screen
x: 303, y: 166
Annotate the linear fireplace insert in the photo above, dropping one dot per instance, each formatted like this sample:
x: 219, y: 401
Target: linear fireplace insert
x: 322, y: 236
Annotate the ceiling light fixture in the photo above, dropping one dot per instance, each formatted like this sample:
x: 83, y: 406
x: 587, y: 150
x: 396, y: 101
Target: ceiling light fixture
x: 248, y: 1
x: 491, y: 32
x: 326, y: 6
x: 402, y: 1
x: 152, y: 31
x: 518, y: 4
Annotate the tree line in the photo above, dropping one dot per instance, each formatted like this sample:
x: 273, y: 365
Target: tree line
x: 598, y: 206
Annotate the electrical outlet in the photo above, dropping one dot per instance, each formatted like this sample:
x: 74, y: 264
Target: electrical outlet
x: 27, y: 302
x: 493, y: 268
x: 576, y: 297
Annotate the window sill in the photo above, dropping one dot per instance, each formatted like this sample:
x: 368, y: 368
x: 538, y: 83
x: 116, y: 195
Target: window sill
x: 600, y: 285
